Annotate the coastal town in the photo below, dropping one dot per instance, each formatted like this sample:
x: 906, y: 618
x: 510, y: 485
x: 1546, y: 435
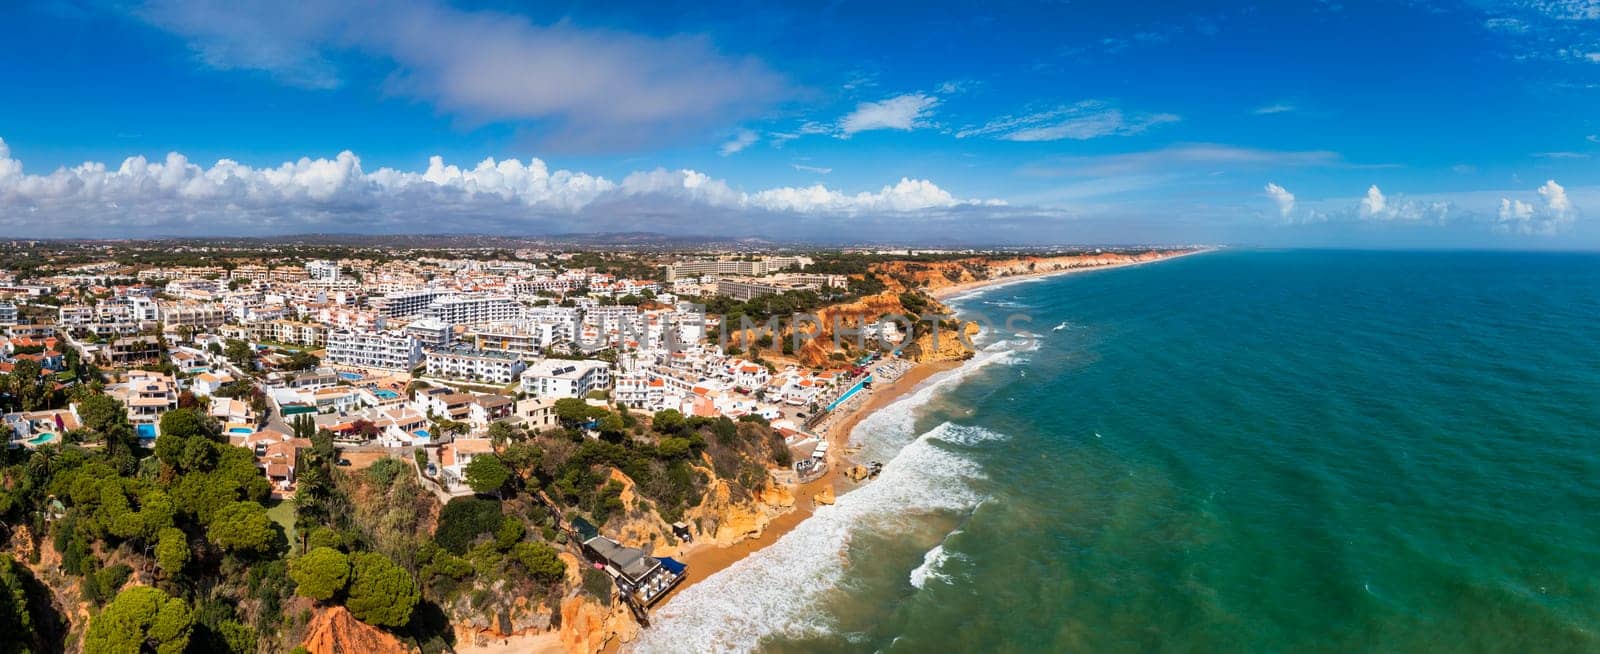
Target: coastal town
x: 544, y: 440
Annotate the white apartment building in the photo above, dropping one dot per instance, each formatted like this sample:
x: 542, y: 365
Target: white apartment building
x: 558, y: 378
x: 403, y: 304
x: 192, y: 314
x: 466, y: 363
x: 139, y: 308
x: 322, y: 269
x: 564, y: 319
x: 385, y: 350
x: 292, y: 332
x: 524, y: 339
x: 610, y: 317
x: 8, y: 313
x: 431, y: 332
x: 744, y: 267
x: 475, y: 309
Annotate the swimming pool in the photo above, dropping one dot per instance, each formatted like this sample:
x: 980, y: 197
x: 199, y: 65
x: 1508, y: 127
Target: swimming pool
x: 350, y: 376
x: 41, y: 439
x: 146, y: 432
x: 241, y: 430
x: 853, y: 390
x: 421, y: 433
x: 386, y: 394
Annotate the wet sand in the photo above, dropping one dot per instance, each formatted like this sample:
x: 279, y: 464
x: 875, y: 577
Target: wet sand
x: 704, y: 560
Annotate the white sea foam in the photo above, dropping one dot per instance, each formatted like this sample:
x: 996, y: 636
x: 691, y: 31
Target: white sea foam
x: 781, y: 589
x: 932, y: 562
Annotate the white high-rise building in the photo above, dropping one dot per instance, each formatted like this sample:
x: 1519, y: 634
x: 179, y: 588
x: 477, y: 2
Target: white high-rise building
x: 475, y: 309
x: 403, y: 304
x: 371, y: 349
x: 322, y: 269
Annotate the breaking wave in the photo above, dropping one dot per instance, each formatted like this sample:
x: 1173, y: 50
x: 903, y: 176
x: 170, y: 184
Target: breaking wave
x: 781, y: 589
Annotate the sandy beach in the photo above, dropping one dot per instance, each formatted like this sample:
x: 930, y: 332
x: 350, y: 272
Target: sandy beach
x: 957, y: 289
x: 704, y: 560
x: 548, y: 642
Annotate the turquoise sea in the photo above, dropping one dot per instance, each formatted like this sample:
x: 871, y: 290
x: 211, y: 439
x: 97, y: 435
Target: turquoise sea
x: 1258, y: 451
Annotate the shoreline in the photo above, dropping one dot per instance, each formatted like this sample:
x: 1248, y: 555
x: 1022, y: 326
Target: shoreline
x: 705, y: 560
x: 944, y: 293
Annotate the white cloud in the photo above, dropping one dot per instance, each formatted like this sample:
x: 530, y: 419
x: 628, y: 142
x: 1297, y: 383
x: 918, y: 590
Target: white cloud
x: 1375, y: 206
x: 956, y: 86
x: 1374, y: 203
x: 1577, y: 10
x: 1282, y: 197
x: 583, y: 88
x: 1561, y: 155
x: 1515, y: 210
x: 812, y: 169
x: 1503, y: 24
x: 1275, y: 108
x: 1555, y: 198
x: 1205, y: 157
x: 903, y: 112
x: 1555, y: 216
x: 1082, y: 121
x: 741, y: 140
x: 142, y: 196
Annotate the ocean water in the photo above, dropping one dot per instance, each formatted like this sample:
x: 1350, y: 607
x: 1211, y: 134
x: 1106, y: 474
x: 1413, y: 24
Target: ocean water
x: 1252, y: 451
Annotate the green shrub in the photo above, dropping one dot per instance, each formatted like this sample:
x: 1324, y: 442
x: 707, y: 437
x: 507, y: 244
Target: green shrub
x: 598, y: 584
x: 463, y: 520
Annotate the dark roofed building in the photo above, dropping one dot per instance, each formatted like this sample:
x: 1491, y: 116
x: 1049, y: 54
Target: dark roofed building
x: 640, y: 577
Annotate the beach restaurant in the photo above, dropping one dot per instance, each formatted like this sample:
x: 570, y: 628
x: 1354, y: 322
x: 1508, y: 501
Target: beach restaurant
x: 642, y: 579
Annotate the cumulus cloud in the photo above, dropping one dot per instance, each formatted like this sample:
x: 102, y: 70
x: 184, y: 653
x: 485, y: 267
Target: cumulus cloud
x: 903, y: 112
x: 140, y: 196
x: 583, y: 88
x: 1374, y: 203
x: 744, y: 138
x: 1282, y: 197
x: 1555, y: 198
x: 1082, y: 121
x: 1555, y: 216
x: 1375, y: 206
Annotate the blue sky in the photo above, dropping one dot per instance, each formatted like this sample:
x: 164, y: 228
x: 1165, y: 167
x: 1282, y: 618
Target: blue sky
x: 1397, y: 124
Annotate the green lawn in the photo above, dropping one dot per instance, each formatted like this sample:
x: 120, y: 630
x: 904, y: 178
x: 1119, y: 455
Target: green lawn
x: 282, y: 513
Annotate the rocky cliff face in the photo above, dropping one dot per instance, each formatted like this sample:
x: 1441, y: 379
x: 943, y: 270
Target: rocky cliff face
x: 721, y: 520
x: 587, y: 626
x: 334, y: 631
x: 935, y: 275
x: 817, y: 352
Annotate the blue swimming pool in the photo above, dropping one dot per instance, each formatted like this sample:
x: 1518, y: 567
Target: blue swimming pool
x: 421, y: 433
x: 853, y: 390
x: 146, y: 432
x: 386, y: 394
x: 350, y: 376
x: 241, y: 430
x: 41, y: 439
